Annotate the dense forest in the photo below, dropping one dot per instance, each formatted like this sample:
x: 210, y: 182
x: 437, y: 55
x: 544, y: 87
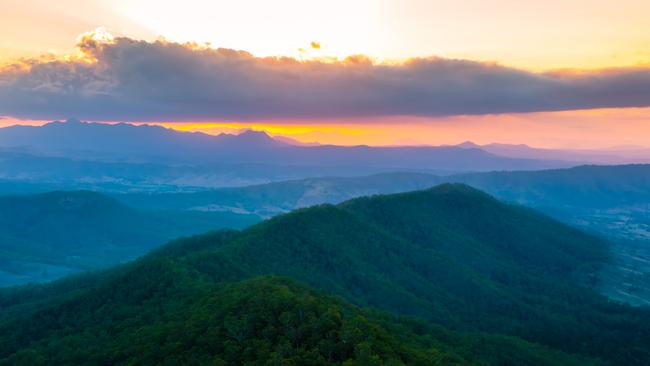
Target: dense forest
x: 610, y: 201
x: 447, y: 276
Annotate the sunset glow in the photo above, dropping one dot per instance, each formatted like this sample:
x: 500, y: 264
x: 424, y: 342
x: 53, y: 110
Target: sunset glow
x: 609, y: 128
x: 300, y: 51
x: 535, y: 35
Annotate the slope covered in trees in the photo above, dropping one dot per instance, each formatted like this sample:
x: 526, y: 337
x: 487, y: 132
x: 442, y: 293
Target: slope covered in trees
x: 161, y: 314
x: 43, y: 236
x: 613, y: 201
x: 494, y: 283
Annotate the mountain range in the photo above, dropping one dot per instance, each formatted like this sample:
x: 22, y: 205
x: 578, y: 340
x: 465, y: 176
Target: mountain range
x: 100, y: 156
x: 511, y: 288
x: 577, y: 188
x: 154, y: 144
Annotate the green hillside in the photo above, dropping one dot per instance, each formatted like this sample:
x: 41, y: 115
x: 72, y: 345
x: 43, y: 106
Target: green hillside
x: 43, y: 236
x: 611, y: 201
x: 486, y: 277
x: 162, y: 314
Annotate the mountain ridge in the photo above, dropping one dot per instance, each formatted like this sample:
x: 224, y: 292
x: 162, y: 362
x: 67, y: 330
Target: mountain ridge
x: 615, y: 155
x: 424, y: 253
x: 155, y: 143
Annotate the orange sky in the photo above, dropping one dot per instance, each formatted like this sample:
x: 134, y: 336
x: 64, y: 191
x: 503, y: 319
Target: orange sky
x: 585, y: 129
x: 532, y: 35
x: 528, y: 34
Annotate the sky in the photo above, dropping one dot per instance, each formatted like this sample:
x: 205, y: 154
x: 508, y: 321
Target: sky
x: 381, y: 72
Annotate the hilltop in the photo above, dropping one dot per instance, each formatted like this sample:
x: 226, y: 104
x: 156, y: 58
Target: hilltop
x: 452, y: 255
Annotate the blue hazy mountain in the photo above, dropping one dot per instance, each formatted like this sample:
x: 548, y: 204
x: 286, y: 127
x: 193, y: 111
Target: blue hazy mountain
x: 46, y: 236
x: 614, y: 155
x: 144, y: 143
x: 141, y: 143
x: 583, y: 187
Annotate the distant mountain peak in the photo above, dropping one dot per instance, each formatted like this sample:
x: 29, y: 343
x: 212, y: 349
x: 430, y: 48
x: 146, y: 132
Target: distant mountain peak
x: 250, y: 138
x: 469, y: 145
x: 253, y: 134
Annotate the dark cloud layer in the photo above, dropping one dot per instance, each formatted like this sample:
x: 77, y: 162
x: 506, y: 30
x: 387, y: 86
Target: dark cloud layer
x: 126, y: 79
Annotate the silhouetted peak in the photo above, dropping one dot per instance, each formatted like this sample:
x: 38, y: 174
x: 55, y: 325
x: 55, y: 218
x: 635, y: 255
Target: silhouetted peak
x: 254, y: 135
x: 250, y: 138
x: 468, y: 145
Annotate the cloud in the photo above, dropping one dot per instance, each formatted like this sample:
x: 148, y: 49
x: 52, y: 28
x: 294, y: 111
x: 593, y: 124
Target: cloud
x: 127, y: 79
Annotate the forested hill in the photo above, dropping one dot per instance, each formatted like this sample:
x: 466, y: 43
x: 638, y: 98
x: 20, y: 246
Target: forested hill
x: 45, y: 236
x: 495, y: 284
